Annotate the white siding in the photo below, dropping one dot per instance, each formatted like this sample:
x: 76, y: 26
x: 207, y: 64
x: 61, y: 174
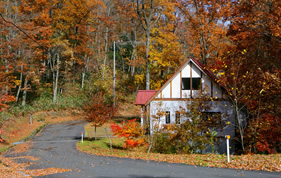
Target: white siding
x: 176, y: 88
x: 166, y: 92
x: 186, y: 93
x: 196, y: 73
x: 164, y: 106
x: 158, y: 96
x: 186, y: 74
x: 186, y: 71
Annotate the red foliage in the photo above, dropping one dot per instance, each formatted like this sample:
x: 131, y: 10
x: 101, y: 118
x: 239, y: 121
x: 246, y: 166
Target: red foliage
x: 1, y: 132
x: 131, y: 131
x: 4, y: 99
x: 269, y: 130
x: 98, y: 111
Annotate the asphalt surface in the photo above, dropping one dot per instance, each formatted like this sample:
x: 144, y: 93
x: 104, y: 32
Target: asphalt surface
x: 56, y: 147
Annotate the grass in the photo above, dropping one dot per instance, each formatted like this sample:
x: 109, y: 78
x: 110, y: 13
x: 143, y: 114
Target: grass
x: 90, y: 130
x: 102, y: 144
x: 4, y: 149
x: 246, y: 162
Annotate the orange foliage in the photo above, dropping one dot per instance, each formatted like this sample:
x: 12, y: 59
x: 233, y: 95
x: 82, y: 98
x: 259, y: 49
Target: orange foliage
x: 4, y: 100
x: 205, y: 33
x: 98, y: 111
x: 132, y: 133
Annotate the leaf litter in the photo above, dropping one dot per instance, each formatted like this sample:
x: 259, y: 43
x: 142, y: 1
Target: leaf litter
x: 11, y: 168
x: 258, y: 162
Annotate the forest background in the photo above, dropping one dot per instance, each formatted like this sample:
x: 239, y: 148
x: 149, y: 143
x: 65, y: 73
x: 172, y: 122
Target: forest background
x: 58, y: 54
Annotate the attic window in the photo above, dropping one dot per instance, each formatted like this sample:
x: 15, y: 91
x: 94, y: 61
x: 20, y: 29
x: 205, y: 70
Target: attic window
x: 195, y: 83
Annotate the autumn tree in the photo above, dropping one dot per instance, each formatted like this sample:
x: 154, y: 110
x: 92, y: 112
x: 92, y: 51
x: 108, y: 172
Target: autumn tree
x: 165, y: 50
x: 149, y: 13
x: 235, y: 79
x: 99, y: 111
x: 254, y: 31
x: 202, y: 30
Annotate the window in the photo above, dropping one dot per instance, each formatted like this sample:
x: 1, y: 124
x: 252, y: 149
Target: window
x: 178, y: 118
x: 195, y: 83
x: 168, y: 120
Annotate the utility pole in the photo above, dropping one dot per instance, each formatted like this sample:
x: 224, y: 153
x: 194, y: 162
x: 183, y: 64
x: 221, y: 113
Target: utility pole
x: 114, y: 74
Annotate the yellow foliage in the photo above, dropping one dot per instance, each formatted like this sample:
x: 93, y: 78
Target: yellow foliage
x: 17, y: 82
x: 139, y: 78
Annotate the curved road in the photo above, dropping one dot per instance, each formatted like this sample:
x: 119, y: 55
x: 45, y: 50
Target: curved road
x: 56, y: 147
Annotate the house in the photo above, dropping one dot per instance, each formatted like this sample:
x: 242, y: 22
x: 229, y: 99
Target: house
x: 185, y: 85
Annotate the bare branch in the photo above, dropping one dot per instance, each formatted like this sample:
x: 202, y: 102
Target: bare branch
x: 22, y: 31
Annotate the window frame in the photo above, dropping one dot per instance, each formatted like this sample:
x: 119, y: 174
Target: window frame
x: 186, y: 80
x: 168, y: 117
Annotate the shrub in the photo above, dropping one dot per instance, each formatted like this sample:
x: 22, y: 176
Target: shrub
x: 263, y: 134
x: 132, y: 133
x: 162, y: 143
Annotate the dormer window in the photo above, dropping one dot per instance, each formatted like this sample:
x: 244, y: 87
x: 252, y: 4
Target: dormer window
x: 186, y: 84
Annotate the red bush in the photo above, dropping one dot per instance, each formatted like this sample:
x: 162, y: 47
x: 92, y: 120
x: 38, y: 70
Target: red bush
x: 131, y: 131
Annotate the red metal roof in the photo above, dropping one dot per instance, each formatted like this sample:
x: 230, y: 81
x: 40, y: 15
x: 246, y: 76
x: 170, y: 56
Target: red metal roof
x: 143, y: 96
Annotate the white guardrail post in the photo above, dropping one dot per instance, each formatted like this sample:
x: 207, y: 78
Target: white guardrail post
x: 227, y: 147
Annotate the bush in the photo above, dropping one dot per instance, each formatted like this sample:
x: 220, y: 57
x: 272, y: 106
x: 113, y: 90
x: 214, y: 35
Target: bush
x: 132, y: 133
x: 162, y: 143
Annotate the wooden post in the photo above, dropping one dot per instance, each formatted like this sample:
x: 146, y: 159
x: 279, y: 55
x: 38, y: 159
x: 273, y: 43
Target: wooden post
x: 30, y: 119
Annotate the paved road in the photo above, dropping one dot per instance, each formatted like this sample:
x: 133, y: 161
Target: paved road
x: 56, y: 147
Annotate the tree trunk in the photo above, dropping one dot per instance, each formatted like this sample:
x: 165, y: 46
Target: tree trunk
x: 84, y: 73
x: 83, y: 78
x: 147, y: 71
x: 240, y: 126
x: 95, y: 132
x: 7, y: 71
x: 55, y: 88
x: 146, y: 18
x: 74, y: 72
x: 133, y: 58
x: 105, y: 52
x: 18, y: 92
x: 24, y: 90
